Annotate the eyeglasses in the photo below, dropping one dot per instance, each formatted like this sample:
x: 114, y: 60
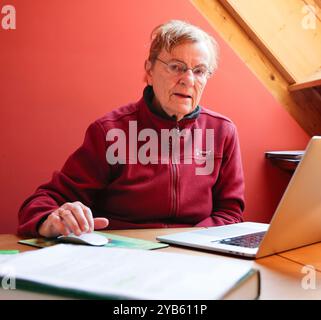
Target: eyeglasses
x: 177, y: 68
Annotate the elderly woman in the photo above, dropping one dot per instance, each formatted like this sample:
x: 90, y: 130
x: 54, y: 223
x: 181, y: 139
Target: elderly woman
x: 163, y: 161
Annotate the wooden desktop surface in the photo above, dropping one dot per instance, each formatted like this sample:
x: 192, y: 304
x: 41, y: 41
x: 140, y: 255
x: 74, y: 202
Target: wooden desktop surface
x: 281, y: 275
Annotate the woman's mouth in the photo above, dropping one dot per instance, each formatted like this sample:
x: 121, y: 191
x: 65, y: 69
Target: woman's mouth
x: 182, y: 96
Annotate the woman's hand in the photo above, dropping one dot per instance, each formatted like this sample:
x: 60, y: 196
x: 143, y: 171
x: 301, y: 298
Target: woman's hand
x: 71, y: 217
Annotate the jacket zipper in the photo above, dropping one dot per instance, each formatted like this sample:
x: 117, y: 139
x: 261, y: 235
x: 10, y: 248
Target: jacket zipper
x: 174, y: 176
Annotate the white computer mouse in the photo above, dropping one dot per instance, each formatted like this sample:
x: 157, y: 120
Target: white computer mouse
x: 91, y: 239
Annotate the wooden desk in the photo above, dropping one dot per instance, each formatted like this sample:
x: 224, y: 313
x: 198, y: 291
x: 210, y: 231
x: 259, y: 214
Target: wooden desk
x: 281, y: 274
x: 309, y: 255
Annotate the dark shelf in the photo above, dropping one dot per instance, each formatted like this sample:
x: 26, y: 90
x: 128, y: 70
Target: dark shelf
x: 286, y: 160
x: 285, y: 164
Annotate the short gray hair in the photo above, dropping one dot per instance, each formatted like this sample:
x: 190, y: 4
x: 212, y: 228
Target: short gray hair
x: 175, y: 32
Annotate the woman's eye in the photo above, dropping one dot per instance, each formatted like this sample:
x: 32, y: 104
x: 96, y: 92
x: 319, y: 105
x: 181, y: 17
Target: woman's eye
x: 199, y: 71
x: 175, y: 67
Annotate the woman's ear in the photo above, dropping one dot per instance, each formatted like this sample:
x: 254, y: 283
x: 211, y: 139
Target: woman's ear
x: 148, y: 70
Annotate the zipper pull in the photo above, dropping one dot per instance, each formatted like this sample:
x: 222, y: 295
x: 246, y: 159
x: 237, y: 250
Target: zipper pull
x: 176, y: 125
x: 174, y: 118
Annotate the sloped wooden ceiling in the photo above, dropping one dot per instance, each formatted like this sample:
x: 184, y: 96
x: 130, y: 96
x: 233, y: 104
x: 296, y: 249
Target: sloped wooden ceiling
x: 280, y: 41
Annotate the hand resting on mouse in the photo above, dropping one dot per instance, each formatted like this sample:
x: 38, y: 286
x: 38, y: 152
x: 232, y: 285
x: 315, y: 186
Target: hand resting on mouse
x: 71, y: 217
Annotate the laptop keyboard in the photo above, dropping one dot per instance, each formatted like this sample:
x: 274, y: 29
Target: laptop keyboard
x: 248, y: 240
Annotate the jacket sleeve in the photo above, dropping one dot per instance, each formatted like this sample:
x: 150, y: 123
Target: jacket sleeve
x: 228, y: 191
x: 84, y: 173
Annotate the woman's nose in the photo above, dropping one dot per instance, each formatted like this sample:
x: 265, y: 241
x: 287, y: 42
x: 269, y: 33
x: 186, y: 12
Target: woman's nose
x: 188, y: 78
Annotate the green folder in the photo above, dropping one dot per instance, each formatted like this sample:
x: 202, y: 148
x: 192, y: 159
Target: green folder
x: 9, y: 251
x: 116, y: 241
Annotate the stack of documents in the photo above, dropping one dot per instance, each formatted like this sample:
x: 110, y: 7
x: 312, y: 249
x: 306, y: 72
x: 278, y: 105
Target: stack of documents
x: 109, y: 273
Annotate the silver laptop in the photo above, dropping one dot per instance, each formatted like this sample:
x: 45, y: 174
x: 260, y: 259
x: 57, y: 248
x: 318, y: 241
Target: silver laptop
x: 295, y: 223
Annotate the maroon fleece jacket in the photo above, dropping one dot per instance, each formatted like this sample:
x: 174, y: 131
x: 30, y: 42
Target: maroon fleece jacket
x: 152, y: 195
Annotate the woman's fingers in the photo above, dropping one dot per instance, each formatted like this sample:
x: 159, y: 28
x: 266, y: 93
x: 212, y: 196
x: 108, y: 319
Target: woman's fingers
x: 57, y: 225
x: 89, y: 217
x: 76, y: 217
x: 53, y: 226
x: 100, y: 223
x: 71, y: 217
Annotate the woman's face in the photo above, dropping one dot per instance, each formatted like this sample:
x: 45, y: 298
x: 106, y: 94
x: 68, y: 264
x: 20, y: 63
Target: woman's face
x: 179, y: 93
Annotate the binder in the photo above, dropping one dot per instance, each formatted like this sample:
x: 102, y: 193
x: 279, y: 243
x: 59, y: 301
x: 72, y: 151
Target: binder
x: 117, y: 273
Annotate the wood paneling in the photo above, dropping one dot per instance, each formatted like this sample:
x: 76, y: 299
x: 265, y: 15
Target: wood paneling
x: 304, y: 107
x: 312, y: 81
x: 285, y: 31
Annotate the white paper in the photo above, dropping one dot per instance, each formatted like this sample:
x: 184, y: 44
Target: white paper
x: 6, y: 257
x: 128, y: 273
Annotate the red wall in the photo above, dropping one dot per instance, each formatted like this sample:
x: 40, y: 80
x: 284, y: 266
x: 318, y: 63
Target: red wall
x: 70, y: 61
